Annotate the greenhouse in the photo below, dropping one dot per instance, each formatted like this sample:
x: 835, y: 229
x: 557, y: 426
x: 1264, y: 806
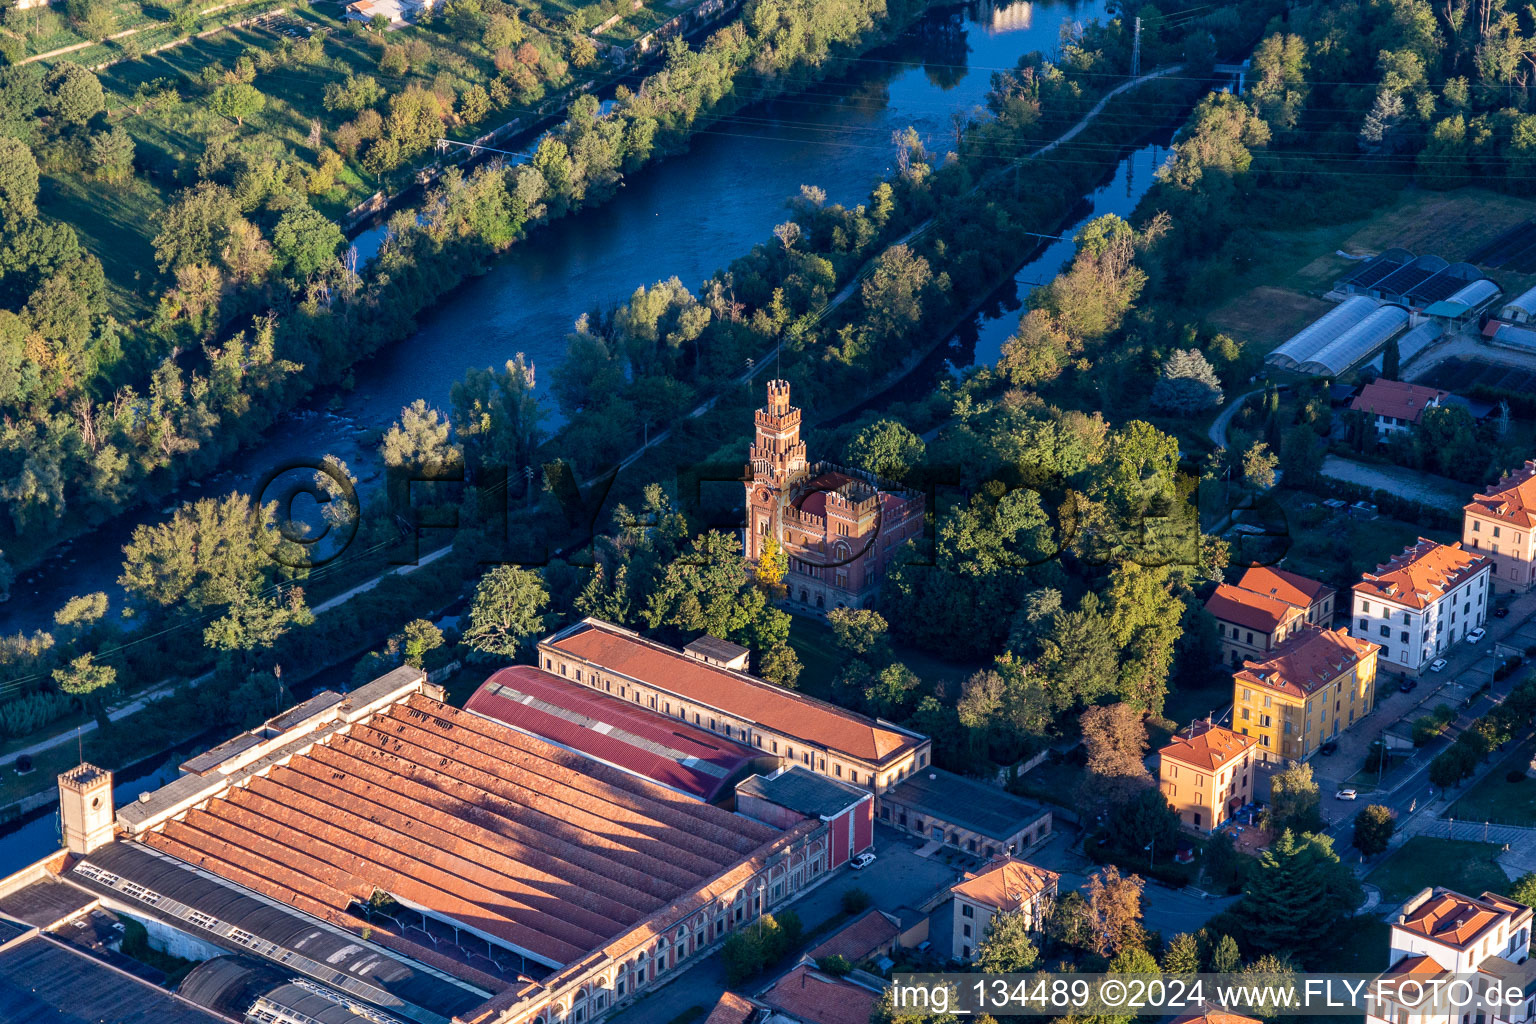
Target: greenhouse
x: 1465, y: 303
x: 1311, y: 339
x: 1521, y: 309
x: 1358, y: 342
x: 1411, y: 344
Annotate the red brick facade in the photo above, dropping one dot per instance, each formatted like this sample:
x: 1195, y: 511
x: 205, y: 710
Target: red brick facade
x: 838, y: 527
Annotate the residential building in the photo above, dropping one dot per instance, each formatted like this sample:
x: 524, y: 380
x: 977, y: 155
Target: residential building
x: 1250, y: 625
x: 399, y: 12
x: 1005, y: 884
x: 1314, y: 685
x: 682, y: 757
x: 1313, y: 598
x: 1444, y: 934
x: 784, y: 797
x: 392, y: 853
x: 1422, y: 601
x: 730, y: 702
x: 965, y: 814
x: 1206, y: 774
x: 1393, y: 406
x: 1501, y: 525
x: 838, y: 527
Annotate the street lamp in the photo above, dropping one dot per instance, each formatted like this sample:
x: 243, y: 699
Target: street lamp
x: 1151, y: 853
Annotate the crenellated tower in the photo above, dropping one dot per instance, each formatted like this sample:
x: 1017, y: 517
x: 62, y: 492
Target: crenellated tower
x: 778, y: 459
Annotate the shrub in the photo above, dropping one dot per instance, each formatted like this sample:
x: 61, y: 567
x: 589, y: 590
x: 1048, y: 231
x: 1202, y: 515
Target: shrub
x: 1514, y: 775
x: 855, y: 900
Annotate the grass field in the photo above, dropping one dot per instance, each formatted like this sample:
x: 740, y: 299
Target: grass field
x: 1496, y: 798
x: 1294, y: 268
x: 1453, y: 863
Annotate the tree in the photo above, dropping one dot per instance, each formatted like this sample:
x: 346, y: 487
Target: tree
x: 1293, y: 873
x: 1006, y: 947
x: 1374, y: 826
x: 893, y: 292
x: 18, y: 180
x: 1523, y: 889
x: 1182, y: 955
x: 772, y: 567
x: 306, y: 241
x: 887, y: 449
x: 583, y: 52
x: 1259, y: 466
x: 112, y: 155
x: 888, y: 693
x: 418, y: 637
x: 858, y: 631
x: 1295, y: 799
x: 1188, y: 384
x: 1114, y: 909
x: 507, y: 609
x: 83, y: 677
x: 1391, y: 361
x: 1116, y: 739
x: 73, y: 94
x: 237, y: 101
x: 1146, y: 820
x: 1275, y: 979
x: 418, y: 443
x: 1225, y: 957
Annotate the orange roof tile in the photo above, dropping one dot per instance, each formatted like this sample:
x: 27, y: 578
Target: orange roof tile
x: 1209, y: 749
x: 818, y: 998
x: 1216, y: 1017
x: 736, y: 693
x: 1006, y: 883
x: 858, y: 938
x: 1308, y: 659
x: 534, y: 845
x: 1422, y: 573
x: 1250, y: 610
x: 1383, y: 397
x: 1290, y: 587
x: 1512, y: 499
x: 731, y: 1009
x: 1456, y: 920
x: 1417, y: 965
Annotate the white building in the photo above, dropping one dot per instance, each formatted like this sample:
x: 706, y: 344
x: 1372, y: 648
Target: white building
x: 1421, y: 602
x: 1005, y: 884
x: 1443, y: 934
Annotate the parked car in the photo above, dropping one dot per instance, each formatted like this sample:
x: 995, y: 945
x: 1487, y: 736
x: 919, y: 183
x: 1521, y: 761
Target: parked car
x: 1476, y: 635
x: 1409, y: 685
x: 1346, y: 794
x: 1328, y: 747
x: 862, y: 861
x: 1500, y: 613
x: 1437, y: 665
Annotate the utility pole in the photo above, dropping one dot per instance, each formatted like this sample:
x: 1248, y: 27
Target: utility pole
x: 1136, y: 52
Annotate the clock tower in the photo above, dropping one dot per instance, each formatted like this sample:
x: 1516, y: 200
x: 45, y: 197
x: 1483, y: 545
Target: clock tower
x: 778, y: 460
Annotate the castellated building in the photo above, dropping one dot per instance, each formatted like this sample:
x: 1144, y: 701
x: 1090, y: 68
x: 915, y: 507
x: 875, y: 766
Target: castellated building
x: 839, y: 527
x: 383, y: 856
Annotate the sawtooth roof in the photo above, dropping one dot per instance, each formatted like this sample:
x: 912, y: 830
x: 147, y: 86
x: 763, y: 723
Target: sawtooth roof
x: 835, y: 729
x: 540, y: 849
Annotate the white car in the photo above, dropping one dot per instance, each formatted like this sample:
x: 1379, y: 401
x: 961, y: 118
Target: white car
x: 1476, y: 635
x: 862, y: 861
x: 1346, y: 794
x: 1438, y: 665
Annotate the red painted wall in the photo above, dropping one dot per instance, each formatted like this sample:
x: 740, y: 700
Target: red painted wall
x: 863, y: 824
x: 840, y: 826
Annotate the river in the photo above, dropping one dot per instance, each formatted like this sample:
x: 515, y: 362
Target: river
x: 838, y: 138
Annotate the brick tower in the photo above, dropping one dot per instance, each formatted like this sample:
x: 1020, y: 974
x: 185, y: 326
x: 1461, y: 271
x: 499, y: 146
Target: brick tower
x: 778, y: 459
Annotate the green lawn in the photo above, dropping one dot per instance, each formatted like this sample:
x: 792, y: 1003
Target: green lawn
x: 1422, y: 862
x: 1495, y: 798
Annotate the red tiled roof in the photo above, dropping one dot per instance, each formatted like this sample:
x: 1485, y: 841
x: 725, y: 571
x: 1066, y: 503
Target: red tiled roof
x: 1216, y: 1017
x: 1307, y: 660
x: 619, y: 732
x: 1452, y: 919
x: 819, y: 998
x: 1290, y: 587
x: 1250, y: 610
x: 536, y: 846
x: 1207, y: 750
x: 858, y: 938
x: 1394, y: 398
x: 736, y: 693
x: 1422, y: 573
x: 1512, y: 499
x: 1417, y: 965
x: 1006, y: 883
x: 731, y: 1009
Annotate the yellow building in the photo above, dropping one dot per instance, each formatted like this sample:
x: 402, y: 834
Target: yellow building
x: 1313, y: 686
x: 1206, y: 775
